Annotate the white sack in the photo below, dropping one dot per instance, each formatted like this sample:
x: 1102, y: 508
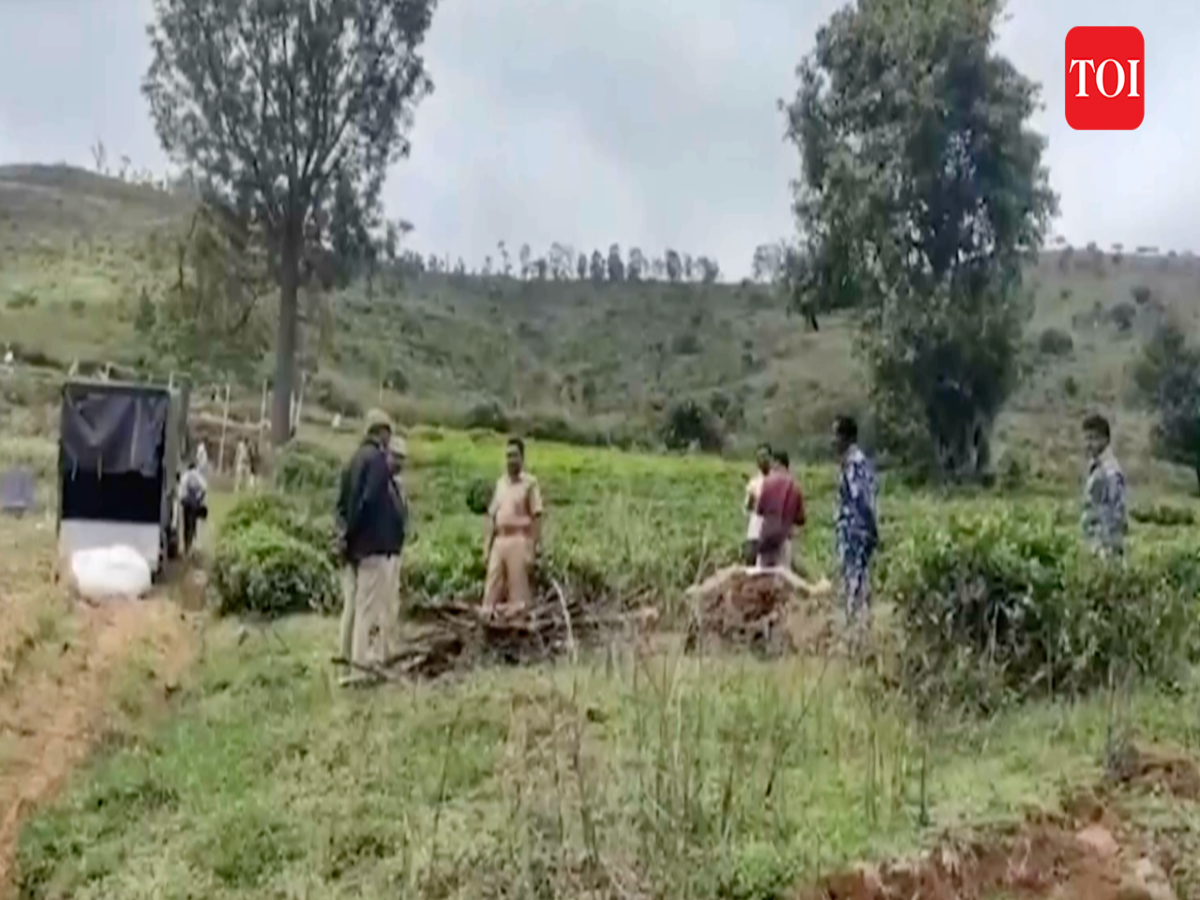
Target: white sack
x: 107, y: 573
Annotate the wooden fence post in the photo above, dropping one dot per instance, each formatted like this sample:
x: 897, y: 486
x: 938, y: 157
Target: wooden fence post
x: 224, y: 427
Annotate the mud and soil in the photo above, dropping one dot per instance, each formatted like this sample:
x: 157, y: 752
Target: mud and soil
x: 1089, y: 852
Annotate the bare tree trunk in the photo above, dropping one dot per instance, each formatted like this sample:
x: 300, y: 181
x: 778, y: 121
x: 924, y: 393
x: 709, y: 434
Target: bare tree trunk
x: 285, y: 342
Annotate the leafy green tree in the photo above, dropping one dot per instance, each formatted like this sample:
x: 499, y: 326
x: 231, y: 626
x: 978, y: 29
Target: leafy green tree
x: 145, y: 318
x: 674, y: 266
x: 271, y: 103
x: 922, y: 193
x: 637, y: 264
x: 212, y: 319
x: 1167, y: 377
x: 581, y: 267
x: 767, y: 266
x: 616, y: 266
x: 598, y: 267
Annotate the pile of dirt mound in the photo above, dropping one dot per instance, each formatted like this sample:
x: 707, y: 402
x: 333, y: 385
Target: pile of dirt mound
x: 749, y: 607
x: 456, y: 635
x: 1043, y: 857
x: 1156, y: 770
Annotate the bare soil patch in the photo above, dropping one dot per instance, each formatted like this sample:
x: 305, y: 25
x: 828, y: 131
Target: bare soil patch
x: 1090, y: 851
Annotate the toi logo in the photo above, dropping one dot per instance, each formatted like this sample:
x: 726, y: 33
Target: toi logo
x: 1106, y: 75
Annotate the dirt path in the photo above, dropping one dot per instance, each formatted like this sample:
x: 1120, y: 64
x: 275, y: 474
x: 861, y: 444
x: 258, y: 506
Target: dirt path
x: 64, y: 666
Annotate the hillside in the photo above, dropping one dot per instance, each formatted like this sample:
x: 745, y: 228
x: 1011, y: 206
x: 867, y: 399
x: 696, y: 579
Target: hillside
x: 75, y: 252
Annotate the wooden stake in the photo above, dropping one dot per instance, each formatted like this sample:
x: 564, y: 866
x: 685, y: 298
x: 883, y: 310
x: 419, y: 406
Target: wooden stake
x: 224, y: 426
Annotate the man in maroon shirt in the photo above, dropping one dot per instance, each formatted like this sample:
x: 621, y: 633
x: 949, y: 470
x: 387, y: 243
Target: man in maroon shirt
x: 781, y: 506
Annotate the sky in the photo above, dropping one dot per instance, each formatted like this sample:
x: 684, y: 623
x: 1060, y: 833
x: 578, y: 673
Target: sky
x: 648, y: 123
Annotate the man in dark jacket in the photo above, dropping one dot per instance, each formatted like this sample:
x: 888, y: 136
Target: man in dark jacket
x: 372, y: 530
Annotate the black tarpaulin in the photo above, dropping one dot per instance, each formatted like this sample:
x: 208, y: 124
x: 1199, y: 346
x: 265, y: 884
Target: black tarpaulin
x: 112, y: 431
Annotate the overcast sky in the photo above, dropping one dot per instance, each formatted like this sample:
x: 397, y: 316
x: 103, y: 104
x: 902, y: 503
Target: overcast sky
x: 650, y: 123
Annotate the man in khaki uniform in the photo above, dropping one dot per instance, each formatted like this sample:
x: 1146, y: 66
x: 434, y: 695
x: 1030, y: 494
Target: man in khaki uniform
x: 513, y: 533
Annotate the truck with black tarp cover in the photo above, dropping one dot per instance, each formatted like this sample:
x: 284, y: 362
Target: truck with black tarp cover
x: 119, y: 457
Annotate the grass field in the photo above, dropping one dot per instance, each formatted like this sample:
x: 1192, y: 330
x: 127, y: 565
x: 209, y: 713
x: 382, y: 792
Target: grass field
x: 640, y: 771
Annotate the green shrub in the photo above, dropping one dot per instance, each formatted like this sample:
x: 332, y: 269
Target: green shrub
x: 308, y: 469
x: 262, y: 569
x: 449, y: 569
x: 331, y: 395
x: 1162, y: 514
x: 1123, y: 315
x: 685, y: 344
x: 686, y: 423
x: 285, y: 514
x: 1002, y: 608
x: 479, y: 496
x: 1055, y: 342
x: 22, y: 300
x: 1013, y: 471
x: 487, y: 416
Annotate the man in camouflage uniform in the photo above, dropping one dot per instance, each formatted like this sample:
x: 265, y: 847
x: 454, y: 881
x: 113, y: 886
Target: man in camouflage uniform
x: 1104, y: 519
x: 856, y: 532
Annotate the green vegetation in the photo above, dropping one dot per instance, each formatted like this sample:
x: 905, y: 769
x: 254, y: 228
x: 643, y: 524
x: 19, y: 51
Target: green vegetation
x: 918, y: 206
x: 1168, y: 379
x: 716, y: 776
x: 1008, y: 606
x: 1005, y: 665
x: 595, y: 361
x: 296, y: 138
x: 262, y: 569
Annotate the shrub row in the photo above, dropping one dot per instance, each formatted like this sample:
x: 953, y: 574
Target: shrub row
x: 273, y: 557
x: 998, y: 609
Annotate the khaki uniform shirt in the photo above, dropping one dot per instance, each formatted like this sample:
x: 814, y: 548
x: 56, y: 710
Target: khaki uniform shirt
x: 516, y: 504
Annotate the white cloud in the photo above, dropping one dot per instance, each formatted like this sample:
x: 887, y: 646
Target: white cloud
x: 650, y: 123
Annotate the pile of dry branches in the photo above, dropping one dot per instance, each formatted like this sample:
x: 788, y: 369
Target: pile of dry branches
x: 455, y: 634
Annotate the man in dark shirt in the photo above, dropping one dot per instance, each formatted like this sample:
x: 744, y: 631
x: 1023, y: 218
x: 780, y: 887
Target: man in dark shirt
x: 372, y: 531
x: 781, y: 506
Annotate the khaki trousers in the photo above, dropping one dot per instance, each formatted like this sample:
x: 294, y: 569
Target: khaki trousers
x: 376, y: 613
x: 508, y: 572
x: 349, y: 577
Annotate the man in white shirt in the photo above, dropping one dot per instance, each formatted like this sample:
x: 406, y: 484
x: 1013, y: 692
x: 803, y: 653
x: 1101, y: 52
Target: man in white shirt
x: 753, y: 488
x: 193, y: 501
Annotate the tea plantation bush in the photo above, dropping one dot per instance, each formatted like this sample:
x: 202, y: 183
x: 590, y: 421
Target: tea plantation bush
x: 479, y: 496
x: 264, y: 570
x: 308, y: 469
x: 1162, y: 514
x: 1001, y: 608
x: 285, y: 514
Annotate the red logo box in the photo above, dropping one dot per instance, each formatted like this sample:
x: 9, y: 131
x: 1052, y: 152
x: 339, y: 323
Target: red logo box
x: 1106, y: 78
